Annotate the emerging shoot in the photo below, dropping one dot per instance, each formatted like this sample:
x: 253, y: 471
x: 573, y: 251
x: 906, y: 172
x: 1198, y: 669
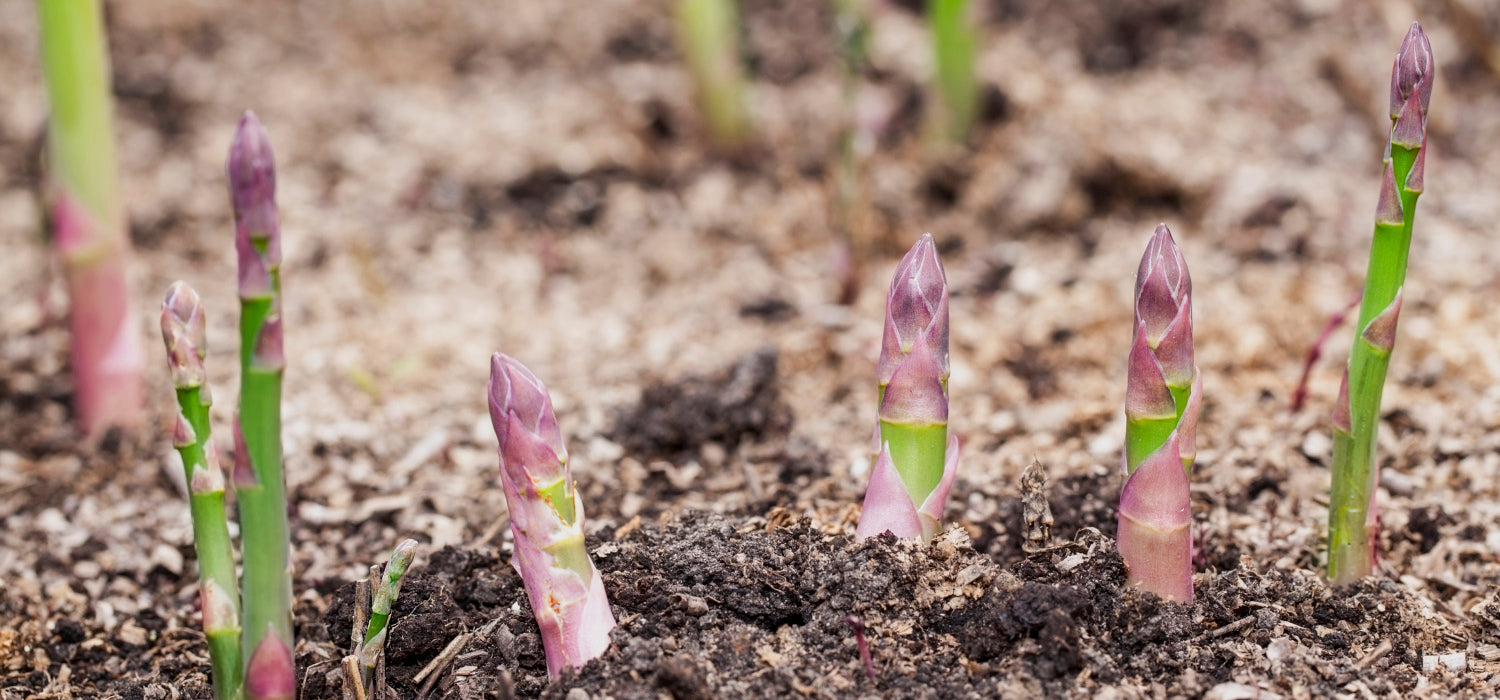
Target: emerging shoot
x: 915, y: 457
x: 546, y: 517
x: 1163, y: 396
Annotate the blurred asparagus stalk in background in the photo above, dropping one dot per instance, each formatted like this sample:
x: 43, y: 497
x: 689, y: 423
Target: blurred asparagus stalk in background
x: 915, y: 457
x: 953, y: 53
x: 1353, y: 518
x: 708, y: 36
x: 88, y: 225
x: 546, y: 517
x: 1163, y: 397
x: 183, y: 331
x: 258, y: 478
x: 380, y: 608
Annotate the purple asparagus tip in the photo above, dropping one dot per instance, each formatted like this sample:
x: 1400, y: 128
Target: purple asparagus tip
x: 1413, y: 71
x: 915, y: 307
x: 519, y: 400
x: 252, y: 191
x: 183, y: 329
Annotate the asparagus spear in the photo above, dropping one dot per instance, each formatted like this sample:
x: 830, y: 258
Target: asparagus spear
x: 183, y: 330
x: 1162, y: 401
x: 88, y: 227
x: 708, y: 36
x: 258, y: 477
x: 916, y: 458
x: 546, y: 517
x: 1353, y: 518
x: 380, y: 608
x: 953, y: 51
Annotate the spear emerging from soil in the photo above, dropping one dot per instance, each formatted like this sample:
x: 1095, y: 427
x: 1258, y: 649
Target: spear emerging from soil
x: 183, y: 330
x: 1353, y: 519
x: 1162, y: 401
x: 380, y: 607
x: 546, y: 517
x: 88, y: 227
x: 916, y: 458
x: 258, y: 478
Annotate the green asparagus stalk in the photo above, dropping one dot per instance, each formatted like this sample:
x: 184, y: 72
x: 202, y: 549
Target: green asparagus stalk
x: 953, y: 51
x: 258, y: 477
x: 1353, y: 518
x: 183, y: 330
x: 380, y: 608
x: 106, y: 353
x: 708, y: 36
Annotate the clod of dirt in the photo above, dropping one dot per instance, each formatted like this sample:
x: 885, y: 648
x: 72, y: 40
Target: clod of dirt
x: 676, y: 418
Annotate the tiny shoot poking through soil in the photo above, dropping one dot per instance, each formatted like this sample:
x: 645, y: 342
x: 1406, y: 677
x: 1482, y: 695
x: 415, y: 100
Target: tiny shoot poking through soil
x: 708, y: 36
x: 88, y: 226
x: 1353, y: 518
x: 1163, y: 396
x: 386, y: 591
x: 916, y: 457
x: 546, y: 518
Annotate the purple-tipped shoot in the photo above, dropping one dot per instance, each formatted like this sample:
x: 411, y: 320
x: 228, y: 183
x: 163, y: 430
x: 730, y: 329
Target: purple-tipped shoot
x: 915, y: 457
x: 1163, y: 397
x: 183, y: 331
x: 105, y: 352
x: 1353, y: 517
x: 259, y: 479
x: 546, y: 517
x: 380, y: 607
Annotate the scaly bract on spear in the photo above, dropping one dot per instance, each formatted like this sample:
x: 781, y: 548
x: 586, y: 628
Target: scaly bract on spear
x: 1353, y: 518
x: 1163, y: 397
x: 546, y: 517
x: 915, y: 456
x: 183, y: 329
x: 258, y: 477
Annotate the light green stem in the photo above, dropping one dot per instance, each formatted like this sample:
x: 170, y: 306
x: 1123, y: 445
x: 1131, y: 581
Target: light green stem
x: 263, y: 517
x: 918, y: 452
x: 80, y: 132
x: 708, y: 36
x: 1350, y: 556
x: 953, y: 49
x: 212, y: 543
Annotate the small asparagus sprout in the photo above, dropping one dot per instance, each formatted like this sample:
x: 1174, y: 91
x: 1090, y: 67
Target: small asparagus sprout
x: 708, y: 36
x: 88, y: 227
x: 183, y: 330
x: 258, y: 477
x: 916, y: 458
x: 546, y: 517
x: 1353, y: 518
x: 380, y: 608
x: 953, y: 49
x: 1162, y: 401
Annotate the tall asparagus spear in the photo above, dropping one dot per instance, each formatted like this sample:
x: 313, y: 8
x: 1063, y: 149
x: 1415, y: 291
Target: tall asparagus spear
x: 258, y: 478
x: 1353, y: 518
x: 546, y: 517
x: 1162, y: 401
x: 183, y: 330
x: 88, y: 227
x: 916, y: 458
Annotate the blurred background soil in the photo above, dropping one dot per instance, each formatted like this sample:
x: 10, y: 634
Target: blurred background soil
x: 531, y: 177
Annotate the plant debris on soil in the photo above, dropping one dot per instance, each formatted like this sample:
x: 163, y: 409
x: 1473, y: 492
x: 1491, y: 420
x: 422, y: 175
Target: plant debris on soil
x: 465, y: 177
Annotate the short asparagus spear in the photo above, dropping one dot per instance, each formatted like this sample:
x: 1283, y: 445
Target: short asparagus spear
x: 183, y: 330
x: 380, y: 608
x: 258, y: 478
x: 88, y: 227
x: 916, y: 459
x: 546, y: 517
x: 1162, y: 401
x: 1353, y: 519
